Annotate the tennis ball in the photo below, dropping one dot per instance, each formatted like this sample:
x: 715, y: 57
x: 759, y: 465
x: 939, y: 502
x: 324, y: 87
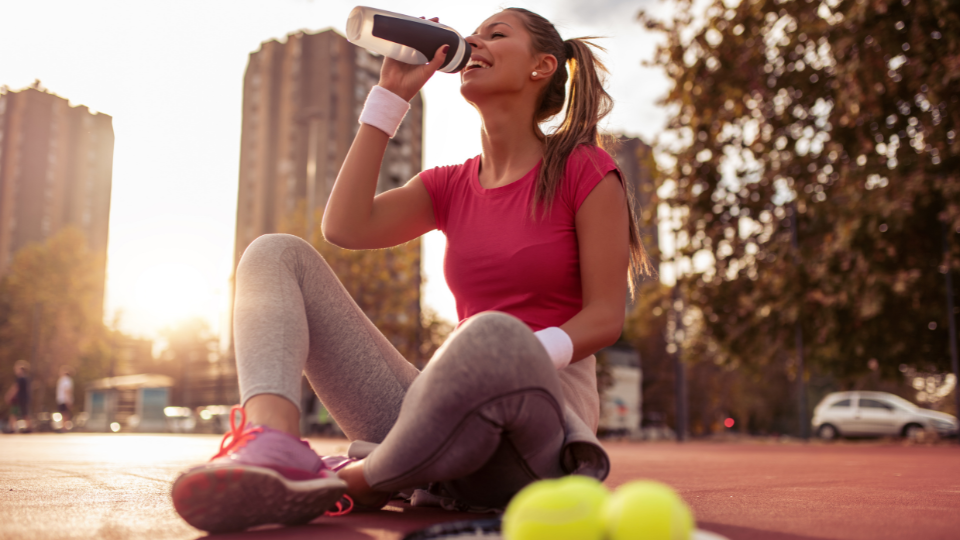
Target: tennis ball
x: 569, y: 508
x: 647, y: 510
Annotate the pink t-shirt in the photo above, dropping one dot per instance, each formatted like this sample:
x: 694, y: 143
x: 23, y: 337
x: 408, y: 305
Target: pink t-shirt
x: 498, y: 257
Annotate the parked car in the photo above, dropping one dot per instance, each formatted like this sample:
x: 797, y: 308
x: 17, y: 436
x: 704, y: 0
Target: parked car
x: 876, y: 414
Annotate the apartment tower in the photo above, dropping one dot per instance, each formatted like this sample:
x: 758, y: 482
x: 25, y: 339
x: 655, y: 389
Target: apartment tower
x: 56, y: 169
x: 301, y: 100
x: 635, y: 159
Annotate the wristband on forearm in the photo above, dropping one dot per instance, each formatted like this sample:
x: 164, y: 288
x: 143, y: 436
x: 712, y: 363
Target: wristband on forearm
x: 384, y: 110
x: 558, y: 345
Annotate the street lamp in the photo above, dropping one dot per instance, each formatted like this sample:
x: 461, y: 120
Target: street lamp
x: 798, y: 331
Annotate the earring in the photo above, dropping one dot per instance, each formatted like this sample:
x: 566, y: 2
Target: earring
x: 534, y: 74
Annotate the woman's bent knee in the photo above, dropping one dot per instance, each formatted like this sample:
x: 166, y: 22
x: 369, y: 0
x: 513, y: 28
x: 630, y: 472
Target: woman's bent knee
x: 491, y: 345
x: 273, y: 243
x: 497, y: 323
x: 269, y: 247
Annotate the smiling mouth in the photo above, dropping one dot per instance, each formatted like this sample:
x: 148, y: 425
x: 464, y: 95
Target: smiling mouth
x: 476, y: 63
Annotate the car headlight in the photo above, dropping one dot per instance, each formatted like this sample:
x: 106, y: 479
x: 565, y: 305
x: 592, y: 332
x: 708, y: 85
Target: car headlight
x: 942, y: 424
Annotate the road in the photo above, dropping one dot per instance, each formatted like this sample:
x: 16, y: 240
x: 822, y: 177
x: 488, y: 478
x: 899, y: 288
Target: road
x: 114, y: 486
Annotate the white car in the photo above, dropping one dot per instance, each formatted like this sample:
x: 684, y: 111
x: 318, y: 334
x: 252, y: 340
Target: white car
x: 876, y: 414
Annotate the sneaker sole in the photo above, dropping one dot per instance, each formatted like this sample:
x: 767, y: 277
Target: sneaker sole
x: 234, y: 498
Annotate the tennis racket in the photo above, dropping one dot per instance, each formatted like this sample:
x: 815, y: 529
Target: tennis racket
x: 489, y: 529
x: 479, y: 529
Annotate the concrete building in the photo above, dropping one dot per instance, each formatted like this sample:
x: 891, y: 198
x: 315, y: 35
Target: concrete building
x: 301, y: 100
x: 56, y: 169
x: 635, y: 159
x: 621, y: 404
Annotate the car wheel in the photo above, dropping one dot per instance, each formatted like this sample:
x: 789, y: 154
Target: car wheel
x: 828, y: 433
x: 913, y: 432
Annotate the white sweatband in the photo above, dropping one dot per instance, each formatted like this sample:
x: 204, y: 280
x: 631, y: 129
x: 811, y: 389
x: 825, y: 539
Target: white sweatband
x: 558, y: 345
x: 384, y: 110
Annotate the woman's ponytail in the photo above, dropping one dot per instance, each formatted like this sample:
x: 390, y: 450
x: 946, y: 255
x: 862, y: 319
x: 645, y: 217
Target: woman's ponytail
x: 587, y: 105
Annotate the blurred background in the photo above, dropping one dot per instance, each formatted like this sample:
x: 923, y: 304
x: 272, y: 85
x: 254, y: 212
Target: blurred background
x: 793, y: 163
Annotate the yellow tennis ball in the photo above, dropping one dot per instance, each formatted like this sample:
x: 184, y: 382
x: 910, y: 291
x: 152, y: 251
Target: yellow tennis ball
x: 569, y: 508
x: 647, y: 510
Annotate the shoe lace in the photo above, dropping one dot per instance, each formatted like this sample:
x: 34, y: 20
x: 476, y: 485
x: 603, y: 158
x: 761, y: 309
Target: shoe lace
x: 341, y: 509
x: 237, y: 436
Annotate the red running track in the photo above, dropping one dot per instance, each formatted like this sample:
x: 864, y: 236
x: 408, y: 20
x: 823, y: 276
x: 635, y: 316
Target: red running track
x: 807, y: 492
x: 117, y: 486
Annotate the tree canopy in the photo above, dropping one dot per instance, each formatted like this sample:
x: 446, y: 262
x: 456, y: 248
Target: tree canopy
x: 843, y: 114
x: 50, y: 313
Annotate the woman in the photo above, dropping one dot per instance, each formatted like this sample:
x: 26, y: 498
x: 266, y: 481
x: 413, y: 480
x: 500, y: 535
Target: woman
x: 540, y: 236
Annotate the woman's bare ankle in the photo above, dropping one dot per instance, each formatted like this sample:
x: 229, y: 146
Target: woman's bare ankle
x: 357, y: 486
x: 275, y: 412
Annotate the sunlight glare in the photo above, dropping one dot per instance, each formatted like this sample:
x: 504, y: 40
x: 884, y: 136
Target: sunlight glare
x: 172, y: 292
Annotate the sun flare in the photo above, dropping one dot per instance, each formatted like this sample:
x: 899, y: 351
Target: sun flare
x: 172, y: 292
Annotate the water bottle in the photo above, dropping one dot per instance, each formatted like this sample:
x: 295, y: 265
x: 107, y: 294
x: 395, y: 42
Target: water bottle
x: 407, y: 39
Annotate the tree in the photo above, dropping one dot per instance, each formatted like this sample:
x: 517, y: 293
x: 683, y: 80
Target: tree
x: 191, y: 357
x: 843, y: 114
x: 49, y: 314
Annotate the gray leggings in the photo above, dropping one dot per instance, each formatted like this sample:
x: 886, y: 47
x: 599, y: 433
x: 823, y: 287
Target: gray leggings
x: 485, y: 417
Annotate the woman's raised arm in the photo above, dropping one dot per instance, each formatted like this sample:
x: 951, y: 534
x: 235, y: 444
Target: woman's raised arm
x: 357, y: 219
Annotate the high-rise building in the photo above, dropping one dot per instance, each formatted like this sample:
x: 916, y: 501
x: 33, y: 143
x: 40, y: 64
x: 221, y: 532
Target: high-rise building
x: 635, y: 159
x: 56, y: 169
x: 301, y: 100
x: 302, y: 97
x: 621, y: 402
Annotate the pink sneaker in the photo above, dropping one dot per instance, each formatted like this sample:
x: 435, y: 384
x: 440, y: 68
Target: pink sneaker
x: 259, y: 476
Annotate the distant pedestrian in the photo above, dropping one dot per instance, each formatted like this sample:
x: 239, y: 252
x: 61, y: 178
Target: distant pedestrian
x: 19, y: 398
x: 65, y: 396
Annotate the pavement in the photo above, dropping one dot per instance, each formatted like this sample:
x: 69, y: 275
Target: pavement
x: 114, y: 486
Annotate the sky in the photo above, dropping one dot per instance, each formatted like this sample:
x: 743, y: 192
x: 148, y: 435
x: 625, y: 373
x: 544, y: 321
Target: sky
x: 170, y: 74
